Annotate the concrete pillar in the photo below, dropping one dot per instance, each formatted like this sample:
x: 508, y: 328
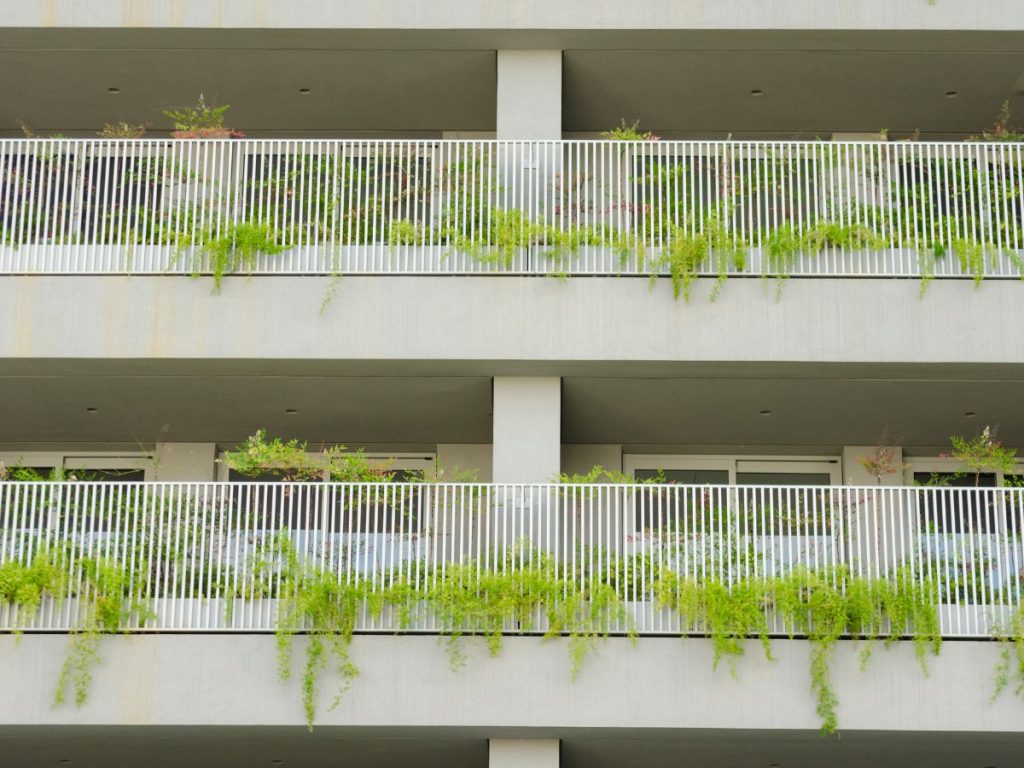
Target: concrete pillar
x: 529, y: 95
x: 523, y: 753
x: 185, y: 462
x: 527, y: 429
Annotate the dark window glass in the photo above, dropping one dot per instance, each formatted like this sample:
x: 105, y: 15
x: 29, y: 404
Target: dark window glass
x: 783, y: 478
x: 952, y: 508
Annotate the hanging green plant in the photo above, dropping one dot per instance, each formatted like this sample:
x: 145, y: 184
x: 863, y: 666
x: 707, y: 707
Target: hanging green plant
x: 232, y: 249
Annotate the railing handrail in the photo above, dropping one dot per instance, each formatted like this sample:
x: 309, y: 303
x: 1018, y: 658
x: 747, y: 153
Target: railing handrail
x: 191, y: 546
x: 161, y: 140
x: 468, y: 206
x: 540, y: 486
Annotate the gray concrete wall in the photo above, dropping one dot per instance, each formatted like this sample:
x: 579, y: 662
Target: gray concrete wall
x: 518, y: 14
x: 519, y: 321
x: 406, y: 682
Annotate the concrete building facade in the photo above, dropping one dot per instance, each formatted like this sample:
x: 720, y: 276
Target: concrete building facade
x: 763, y: 311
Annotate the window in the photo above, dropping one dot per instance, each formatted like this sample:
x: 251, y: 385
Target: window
x: 781, y: 507
x: 735, y: 470
x: 952, y: 505
x: 367, y: 509
x: 108, y: 467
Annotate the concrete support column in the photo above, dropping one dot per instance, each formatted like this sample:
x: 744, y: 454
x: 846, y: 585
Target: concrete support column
x: 527, y: 429
x: 523, y: 753
x: 185, y: 462
x: 529, y: 95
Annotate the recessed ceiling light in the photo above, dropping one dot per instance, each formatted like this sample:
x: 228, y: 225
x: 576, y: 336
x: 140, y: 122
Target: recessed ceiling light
x: 304, y: 91
x: 951, y: 94
x: 757, y: 92
x: 113, y: 89
x: 970, y: 414
x: 90, y: 409
x: 291, y: 411
x: 765, y: 413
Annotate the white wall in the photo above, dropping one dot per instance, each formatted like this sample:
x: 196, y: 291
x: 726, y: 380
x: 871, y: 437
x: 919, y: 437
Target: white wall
x: 855, y: 474
x: 184, y: 462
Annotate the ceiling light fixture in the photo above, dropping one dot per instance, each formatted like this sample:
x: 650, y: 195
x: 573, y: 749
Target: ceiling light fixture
x: 765, y: 412
x: 951, y: 94
x: 304, y: 91
x: 91, y: 409
x: 970, y: 414
x: 291, y: 411
x: 757, y: 92
x: 113, y: 89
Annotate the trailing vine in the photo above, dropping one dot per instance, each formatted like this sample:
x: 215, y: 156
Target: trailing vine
x: 1010, y: 668
x: 234, y: 249
x: 822, y: 606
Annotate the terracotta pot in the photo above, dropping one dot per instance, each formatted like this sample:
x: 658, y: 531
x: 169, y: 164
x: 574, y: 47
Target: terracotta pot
x: 208, y: 133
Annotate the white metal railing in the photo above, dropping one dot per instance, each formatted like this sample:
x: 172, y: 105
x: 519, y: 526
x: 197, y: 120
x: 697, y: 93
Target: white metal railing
x: 207, y: 556
x: 572, y: 207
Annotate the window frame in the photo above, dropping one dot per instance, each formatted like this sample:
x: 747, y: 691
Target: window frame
x: 732, y: 464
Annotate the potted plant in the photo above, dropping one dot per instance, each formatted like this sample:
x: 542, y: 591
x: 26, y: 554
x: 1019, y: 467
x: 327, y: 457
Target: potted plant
x: 201, y: 121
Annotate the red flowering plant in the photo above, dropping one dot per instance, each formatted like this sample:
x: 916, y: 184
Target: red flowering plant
x: 201, y: 121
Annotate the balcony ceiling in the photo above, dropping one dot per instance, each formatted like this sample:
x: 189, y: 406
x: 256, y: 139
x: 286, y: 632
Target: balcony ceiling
x: 92, y: 747
x: 680, y: 83
x: 803, y: 93
x: 381, y: 92
x: 710, y: 408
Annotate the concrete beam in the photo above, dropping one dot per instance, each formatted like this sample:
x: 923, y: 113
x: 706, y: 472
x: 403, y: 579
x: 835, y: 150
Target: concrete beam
x: 517, y: 322
x: 405, y: 681
x: 524, y: 15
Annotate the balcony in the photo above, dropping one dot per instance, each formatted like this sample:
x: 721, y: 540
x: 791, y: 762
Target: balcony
x: 682, y: 209
x: 232, y: 557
